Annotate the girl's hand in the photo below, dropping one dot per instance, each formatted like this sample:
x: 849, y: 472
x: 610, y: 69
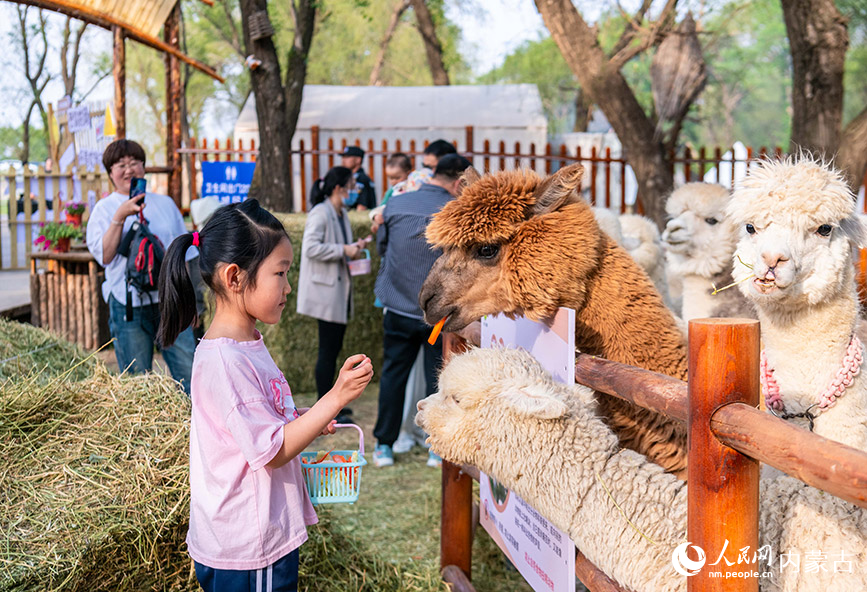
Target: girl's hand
x: 329, y: 429
x: 354, y: 376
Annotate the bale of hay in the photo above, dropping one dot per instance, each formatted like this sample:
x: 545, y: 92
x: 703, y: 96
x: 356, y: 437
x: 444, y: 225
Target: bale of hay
x: 94, y: 489
x: 26, y: 350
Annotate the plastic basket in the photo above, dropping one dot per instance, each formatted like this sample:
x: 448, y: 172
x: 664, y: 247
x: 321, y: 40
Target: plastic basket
x: 360, y: 266
x: 335, y: 482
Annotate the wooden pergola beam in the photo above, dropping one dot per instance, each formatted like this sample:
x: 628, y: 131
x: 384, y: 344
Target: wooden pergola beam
x: 109, y: 22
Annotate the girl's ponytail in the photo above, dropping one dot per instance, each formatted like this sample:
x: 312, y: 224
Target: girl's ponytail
x: 177, y: 296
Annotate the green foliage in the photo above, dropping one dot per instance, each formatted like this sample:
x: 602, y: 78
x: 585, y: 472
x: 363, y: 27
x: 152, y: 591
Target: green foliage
x: 747, y: 96
x: 11, y: 143
x: 347, y: 39
x: 293, y: 342
x: 541, y: 63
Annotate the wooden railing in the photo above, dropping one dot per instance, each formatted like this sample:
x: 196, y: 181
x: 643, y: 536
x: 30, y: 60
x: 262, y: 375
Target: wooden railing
x: 728, y: 437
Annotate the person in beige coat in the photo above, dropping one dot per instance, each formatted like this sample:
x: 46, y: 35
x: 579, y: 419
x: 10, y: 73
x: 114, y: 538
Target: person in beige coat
x: 324, y: 285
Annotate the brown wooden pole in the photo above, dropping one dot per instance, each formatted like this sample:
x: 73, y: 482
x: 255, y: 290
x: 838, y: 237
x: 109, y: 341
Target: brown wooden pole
x: 457, y: 579
x: 592, y: 577
x: 456, y: 517
x: 314, y: 149
x: 171, y: 33
x: 723, y: 496
x: 119, y: 73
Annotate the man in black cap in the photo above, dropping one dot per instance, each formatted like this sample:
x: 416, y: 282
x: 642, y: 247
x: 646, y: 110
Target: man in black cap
x: 366, y: 198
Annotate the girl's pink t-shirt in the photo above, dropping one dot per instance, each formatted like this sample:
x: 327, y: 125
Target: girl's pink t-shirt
x: 243, y: 515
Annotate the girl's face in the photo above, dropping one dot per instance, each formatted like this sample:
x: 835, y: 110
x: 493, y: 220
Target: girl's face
x: 265, y: 302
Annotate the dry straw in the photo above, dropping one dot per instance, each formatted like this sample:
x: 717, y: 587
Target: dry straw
x: 93, y: 489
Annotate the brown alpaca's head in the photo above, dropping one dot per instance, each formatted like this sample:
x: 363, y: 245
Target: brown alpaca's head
x: 512, y: 243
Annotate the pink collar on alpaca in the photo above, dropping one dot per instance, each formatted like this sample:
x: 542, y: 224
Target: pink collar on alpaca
x: 848, y: 370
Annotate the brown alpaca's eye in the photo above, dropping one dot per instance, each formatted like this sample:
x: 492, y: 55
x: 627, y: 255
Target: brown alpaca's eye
x: 711, y: 221
x: 488, y: 251
x: 825, y: 229
x: 751, y: 229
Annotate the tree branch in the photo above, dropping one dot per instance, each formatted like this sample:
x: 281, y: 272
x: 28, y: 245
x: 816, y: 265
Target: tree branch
x: 433, y: 47
x: 396, y: 13
x: 652, y: 34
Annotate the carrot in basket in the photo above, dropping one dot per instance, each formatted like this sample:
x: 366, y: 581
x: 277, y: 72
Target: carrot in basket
x: 436, y: 331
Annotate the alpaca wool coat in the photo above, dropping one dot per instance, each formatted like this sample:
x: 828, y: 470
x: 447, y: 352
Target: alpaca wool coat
x: 324, y: 284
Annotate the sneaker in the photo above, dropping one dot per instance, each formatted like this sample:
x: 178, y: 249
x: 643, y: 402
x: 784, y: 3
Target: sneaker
x: 383, y: 456
x: 403, y: 444
x: 434, y: 460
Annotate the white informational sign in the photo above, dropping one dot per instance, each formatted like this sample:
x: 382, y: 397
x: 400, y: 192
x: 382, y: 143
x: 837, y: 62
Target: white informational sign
x: 78, y: 119
x: 541, y: 552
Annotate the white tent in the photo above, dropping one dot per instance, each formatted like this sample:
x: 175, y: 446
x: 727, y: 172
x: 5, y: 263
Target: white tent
x: 498, y: 113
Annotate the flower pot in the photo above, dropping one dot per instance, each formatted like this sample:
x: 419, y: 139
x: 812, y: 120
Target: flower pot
x: 61, y: 245
x: 74, y: 219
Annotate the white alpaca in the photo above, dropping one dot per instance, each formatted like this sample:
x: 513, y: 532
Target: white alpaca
x: 798, y: 229
x: 700, y: 241
x: 500, y: 411
x: 640, y: 237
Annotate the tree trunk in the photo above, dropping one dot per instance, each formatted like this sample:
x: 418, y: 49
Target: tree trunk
x: 852, y: 157
x: 432, y: 46
x: 607, y: 88
x: 272, y: 183
x: 582, y: 111
x: 304, y: 13
x: 818, y: 40
x: 396, y: 13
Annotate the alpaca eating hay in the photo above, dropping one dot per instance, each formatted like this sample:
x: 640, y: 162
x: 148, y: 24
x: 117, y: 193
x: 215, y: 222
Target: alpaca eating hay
x: 517, y: 244
x: 700, y: 240
x: 798, y: 228
x: 498, y: 410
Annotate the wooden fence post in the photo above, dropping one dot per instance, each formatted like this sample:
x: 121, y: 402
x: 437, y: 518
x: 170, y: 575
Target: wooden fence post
x: 456, y: 517
x: 314, y: 152
x: 723, y: 497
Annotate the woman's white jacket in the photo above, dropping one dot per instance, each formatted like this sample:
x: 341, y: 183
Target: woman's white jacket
x: 324, y: 285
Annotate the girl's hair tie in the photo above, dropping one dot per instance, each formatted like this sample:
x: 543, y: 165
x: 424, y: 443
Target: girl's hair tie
x: 195, y: 239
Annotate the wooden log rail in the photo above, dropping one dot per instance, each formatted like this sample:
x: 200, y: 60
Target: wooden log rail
x: 728, y: 437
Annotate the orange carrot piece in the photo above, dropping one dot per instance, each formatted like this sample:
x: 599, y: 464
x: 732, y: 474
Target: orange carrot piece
x: 436, y: 331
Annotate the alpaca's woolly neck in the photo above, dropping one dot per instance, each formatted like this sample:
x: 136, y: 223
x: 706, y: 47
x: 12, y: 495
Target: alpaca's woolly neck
x: 625, y: 320
x: 819, y: 334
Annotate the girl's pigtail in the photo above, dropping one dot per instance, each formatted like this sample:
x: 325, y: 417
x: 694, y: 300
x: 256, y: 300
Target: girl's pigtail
x: 177, y: 296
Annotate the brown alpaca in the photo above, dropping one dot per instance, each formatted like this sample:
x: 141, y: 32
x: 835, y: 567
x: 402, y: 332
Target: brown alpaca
x: 520, y: 245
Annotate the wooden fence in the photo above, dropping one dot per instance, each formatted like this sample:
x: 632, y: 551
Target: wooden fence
x: 728, y: 437
x: 609, y: 181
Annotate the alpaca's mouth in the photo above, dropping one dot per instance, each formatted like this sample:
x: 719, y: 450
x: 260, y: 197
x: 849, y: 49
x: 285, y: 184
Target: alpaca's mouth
x: 765, y: 285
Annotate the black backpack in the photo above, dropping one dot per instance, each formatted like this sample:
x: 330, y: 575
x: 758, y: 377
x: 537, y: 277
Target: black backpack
x: 144, y: 257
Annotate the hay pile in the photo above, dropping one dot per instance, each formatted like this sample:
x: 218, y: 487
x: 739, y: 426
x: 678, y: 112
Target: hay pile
x: 93, y: 489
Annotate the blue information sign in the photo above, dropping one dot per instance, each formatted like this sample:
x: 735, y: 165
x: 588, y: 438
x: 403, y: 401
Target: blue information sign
x: 227, y: 181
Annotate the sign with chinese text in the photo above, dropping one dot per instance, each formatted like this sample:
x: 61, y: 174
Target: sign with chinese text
x: 541, y: 552
x: 227, y: 181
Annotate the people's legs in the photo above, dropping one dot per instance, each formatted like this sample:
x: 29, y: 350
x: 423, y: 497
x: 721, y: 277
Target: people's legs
x: 330, y: 343
x: 179, y: 357
x: 433, y: 357
x: 133, y: 343
x: 414, y: 392
x: 400, y: 343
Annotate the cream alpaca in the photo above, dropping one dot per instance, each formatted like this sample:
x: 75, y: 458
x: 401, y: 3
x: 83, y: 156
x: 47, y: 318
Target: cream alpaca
x: 700, y: 241
x: 640, y: 238
x: 798, y: 229
x: 500, y: 411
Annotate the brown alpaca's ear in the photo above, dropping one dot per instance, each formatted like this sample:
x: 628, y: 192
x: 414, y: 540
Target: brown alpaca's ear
x: 469, y: 177
x: 558, y: 190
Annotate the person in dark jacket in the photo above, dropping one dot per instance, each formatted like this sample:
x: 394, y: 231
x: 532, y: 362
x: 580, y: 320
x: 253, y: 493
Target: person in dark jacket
x: 365, y: 196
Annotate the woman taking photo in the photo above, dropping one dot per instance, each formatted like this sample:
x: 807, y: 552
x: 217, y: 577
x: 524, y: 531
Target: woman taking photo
x: 324, y: 285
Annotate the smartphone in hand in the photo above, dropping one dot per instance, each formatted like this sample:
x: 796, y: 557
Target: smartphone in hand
x: 137, y: 188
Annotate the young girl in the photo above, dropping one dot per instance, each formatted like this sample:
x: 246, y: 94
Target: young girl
x: 249, y: 506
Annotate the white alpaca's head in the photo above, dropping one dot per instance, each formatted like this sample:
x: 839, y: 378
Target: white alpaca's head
x: 487, y: 398
x: 698, y: 237
x: 641, y: 238
x: 797, y: 229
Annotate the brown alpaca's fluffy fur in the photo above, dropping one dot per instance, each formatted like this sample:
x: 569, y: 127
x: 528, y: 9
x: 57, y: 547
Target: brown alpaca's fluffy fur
x: 549, y: 252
